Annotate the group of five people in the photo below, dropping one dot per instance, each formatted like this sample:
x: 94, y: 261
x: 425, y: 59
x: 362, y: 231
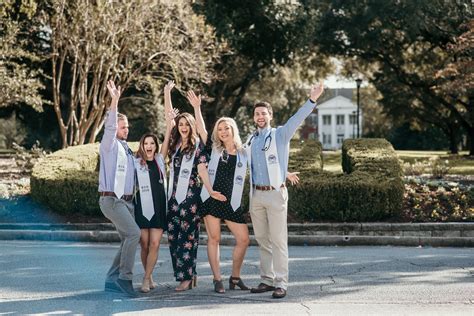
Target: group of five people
x: 206, y: 181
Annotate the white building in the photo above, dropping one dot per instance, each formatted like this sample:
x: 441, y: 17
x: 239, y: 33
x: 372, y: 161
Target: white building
x: 334, y: 121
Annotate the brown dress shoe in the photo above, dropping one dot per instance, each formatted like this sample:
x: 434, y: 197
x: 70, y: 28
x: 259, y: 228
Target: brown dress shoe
x: 279, y: 293
x: 262, y: 287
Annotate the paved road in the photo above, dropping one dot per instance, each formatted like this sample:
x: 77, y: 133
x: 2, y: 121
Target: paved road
x: 67, y: 278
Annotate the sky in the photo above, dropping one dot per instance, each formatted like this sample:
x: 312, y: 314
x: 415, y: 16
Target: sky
x: 335, y: 81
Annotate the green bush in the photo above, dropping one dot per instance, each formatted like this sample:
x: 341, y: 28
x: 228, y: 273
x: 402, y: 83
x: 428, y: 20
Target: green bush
x: 372, y: 155
x: 358, y: 196
x: 305, y: 155
x: 67, y: 180
x: 371, y: 189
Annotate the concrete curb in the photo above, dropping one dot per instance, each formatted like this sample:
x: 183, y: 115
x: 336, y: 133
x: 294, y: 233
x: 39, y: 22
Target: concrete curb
x: 320, y: 234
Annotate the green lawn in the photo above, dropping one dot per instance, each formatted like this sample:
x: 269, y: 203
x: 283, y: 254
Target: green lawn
x: 332, y: 161
x: 460, y: 164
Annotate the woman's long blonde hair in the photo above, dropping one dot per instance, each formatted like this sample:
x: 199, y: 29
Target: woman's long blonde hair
x: 217, y: 143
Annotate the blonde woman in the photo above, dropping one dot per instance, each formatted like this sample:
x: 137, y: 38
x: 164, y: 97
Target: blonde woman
x: 227, y: 169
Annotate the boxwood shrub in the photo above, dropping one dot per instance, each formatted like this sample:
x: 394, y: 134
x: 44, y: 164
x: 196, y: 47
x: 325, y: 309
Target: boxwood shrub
x: 370, y: 190
x: 358, y: 196
x: 68, y: 179
x: 373, y: 155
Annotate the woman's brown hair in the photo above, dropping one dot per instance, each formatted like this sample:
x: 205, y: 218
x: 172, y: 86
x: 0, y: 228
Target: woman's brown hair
x: 176, y: 136
x: 141, y: 147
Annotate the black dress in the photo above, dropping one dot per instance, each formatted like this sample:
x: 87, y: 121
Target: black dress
x: 223, y: 183
x: 159, y: 200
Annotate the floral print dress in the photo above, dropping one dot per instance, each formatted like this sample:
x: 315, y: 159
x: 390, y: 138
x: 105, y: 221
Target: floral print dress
x: 183, y: 219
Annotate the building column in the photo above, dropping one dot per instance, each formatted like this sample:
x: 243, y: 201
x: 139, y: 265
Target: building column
x: 333, y: 131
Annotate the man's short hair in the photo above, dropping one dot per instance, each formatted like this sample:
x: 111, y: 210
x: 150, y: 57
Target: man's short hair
x: 121, y: 116
x: 263, y: 104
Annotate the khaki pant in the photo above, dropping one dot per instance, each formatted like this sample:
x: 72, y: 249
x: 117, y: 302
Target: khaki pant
x: 121, y: 214
x: 268, y: 210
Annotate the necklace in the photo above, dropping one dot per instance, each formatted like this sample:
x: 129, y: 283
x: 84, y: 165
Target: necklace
x: 225, y: 157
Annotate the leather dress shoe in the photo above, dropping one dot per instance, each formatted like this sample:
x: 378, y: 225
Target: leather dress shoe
x: 279, y: 293
x: 262, y: 287
x: 126, y: 287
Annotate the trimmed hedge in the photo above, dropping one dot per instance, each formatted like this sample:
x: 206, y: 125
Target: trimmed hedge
x: 305, y: 156
x: 67, y: 180
x: 366, y: 193
x: 359, y: 196
x: 371, y: 189
x: 373, y: 155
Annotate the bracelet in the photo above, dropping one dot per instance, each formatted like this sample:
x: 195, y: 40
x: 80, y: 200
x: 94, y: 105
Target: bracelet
x: 314, y: 102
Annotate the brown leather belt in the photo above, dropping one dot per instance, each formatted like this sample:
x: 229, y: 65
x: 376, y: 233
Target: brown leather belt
x: 266, y: 187
x: 125, y: 197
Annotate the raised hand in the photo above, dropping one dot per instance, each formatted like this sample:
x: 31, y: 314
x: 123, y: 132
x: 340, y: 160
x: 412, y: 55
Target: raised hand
x: 170, y: 123
x: 171, y: 115
x: 293, y: 177
x: 316, y: 91
x: 193, y: 99
x: 218, y: 196
x: 113, y: 91
x: 169, y: 86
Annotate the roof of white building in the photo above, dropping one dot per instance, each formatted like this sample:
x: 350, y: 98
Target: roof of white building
x: 338, y: 102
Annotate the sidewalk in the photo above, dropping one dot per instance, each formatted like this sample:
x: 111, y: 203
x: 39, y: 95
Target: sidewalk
x: 321, y: 234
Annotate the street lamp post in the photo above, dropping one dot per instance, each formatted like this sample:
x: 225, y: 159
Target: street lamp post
x: 358, y: 82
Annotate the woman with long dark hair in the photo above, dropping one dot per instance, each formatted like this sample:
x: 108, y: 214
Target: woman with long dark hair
x: 188, y: 159
x: 150, y: 200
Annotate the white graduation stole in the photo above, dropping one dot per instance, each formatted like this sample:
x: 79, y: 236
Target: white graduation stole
x: 271, y: 157
x: 143, y: 177
x: 273, y: 163
x: 184, y: 175
x: 248, y: 150
x: 120, y: 170
x: 161, y: 163
x: 144, y: 185
x: 238, y: 181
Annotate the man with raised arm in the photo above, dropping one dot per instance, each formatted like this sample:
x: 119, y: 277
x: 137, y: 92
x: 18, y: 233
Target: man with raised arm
x: 268, y: 152
x: 116, y: 185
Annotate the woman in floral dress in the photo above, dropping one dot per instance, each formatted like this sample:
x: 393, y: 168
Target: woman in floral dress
x: 188, y: 159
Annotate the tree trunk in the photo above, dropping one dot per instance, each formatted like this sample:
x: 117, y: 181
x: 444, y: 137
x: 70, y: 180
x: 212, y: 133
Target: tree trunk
x: 453, y: 144
x: 470, y: 141
x: 470, y: 130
